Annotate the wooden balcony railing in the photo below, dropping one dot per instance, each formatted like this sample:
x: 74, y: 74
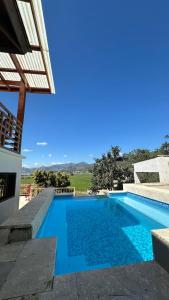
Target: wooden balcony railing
x: 10, y: 130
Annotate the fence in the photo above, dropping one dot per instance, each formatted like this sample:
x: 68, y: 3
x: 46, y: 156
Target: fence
x: 65, y: 191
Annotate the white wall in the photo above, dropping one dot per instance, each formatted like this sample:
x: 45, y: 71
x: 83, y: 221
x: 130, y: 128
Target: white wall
x: 12, y: 163
x: 158, y: 164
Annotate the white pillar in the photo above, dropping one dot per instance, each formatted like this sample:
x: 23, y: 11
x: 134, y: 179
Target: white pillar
x: 136, y: 178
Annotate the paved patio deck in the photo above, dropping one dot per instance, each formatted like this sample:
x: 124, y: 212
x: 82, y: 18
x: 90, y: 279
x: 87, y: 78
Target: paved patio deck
x: 26, y: 273
x: 24, y: 277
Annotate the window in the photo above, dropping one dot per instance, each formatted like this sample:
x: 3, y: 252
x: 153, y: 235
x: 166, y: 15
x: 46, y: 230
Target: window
x: 7, y: 185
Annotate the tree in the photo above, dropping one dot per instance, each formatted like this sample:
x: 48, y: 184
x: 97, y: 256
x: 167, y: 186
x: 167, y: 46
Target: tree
x: 164, y: 148
x: 138, y: 155
x: 40, y: 177
x: 45, y: 178
x: 62, y: 179
x: 108, y: 171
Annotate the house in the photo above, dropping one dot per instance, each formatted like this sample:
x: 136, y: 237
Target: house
x: 25, y: 68
x: 158, y: 165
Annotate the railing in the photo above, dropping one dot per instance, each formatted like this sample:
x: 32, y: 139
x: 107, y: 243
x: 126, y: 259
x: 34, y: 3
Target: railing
x: 31, y: 190
x: 65, y: 191
x: 10, y: 130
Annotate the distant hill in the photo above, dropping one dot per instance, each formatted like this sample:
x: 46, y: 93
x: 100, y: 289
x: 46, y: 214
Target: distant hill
x: 69, y: 167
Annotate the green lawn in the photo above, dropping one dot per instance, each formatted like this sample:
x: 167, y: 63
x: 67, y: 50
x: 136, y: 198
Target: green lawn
x: 26, y: 180
x: 80, y: 181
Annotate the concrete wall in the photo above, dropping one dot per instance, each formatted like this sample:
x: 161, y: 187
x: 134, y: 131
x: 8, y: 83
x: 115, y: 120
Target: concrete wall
x: 12, y: 163
x: 158, y: 164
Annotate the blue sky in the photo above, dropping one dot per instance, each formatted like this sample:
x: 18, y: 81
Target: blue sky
x: 110, y: 62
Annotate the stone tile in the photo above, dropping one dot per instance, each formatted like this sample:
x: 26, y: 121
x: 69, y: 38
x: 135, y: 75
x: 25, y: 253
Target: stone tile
x: 33, y: 270
x: 65, y: 286
x: 5, y: 269
x: 121, y: 298
x: 4, y: 236
x: 101, y: 283
x: 141, y: 280
x: 27, y: 297
x: 111, y: 298
x: 10, y: 252
x: 55, y: 296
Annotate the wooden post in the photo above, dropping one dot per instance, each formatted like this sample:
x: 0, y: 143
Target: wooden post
x: 20, y: 117
x: 21, y: 103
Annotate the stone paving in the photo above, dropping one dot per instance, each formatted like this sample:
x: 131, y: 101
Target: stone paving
x: 33, y: 269
x: 146, y: 281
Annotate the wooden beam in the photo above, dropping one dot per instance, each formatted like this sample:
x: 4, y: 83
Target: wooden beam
x: 3, y: 81
x: 10, y: 70
x: 21, y: 103
x: 10, y: 82
x: 19, y: 69
x: 35, y: 48
x: 28, y: 90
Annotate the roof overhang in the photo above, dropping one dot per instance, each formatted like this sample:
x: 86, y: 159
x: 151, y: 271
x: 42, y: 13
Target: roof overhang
x: 25, y: 22
x: 13, y: 37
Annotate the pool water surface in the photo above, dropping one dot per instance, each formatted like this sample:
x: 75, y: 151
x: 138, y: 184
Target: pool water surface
x: 95, y: 233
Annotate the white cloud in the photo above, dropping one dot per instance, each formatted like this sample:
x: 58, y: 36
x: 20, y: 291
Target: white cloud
x: 65, y: 155
x: 50, y: 155
x: 36, y: 164
x: 41, y: 143
x: 27, y: 150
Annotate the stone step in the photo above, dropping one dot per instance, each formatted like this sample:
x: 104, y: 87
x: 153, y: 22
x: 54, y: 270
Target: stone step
x: 33, y: 271
x: 25, y: 223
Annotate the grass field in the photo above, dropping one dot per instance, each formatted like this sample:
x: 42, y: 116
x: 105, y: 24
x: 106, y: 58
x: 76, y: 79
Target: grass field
x: 80, y: 181
x: 26, y: 180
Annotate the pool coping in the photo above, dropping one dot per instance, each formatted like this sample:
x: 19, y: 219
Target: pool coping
x: 154, y: 193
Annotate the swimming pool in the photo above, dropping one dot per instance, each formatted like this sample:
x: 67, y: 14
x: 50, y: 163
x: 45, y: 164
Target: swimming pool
x: 95, y: 233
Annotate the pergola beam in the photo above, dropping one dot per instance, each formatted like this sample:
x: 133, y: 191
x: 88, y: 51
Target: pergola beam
x: 21, y: 103
x: 10, y: 82
x: 4, y: 81
x: 10, y: 70
x: 18, y: 67
x: 30, y: 90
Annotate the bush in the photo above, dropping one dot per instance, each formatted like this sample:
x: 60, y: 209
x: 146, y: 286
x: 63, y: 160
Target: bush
x: 109, y: 173
x: 45, y: 178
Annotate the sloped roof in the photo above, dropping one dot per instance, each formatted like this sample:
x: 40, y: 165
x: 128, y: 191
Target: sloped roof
x: 33, y: 68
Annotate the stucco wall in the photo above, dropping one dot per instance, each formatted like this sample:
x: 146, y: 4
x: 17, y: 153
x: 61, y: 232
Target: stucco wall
x: 12, y: 163
x: 158, y: 164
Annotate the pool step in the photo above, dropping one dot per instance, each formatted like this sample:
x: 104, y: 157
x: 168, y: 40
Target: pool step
x: 33, y: 270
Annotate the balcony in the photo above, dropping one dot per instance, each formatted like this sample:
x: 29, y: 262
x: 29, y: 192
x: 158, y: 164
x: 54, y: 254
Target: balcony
x: 10, y: 130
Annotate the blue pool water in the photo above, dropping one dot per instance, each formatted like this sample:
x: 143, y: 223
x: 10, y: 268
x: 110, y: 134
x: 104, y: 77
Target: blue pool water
x: 95, y: 233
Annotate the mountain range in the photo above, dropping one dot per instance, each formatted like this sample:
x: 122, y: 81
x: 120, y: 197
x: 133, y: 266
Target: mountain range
x: 69, y: 167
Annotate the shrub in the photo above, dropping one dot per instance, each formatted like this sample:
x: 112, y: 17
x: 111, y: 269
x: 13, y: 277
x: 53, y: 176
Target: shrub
x: 44, y: 178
